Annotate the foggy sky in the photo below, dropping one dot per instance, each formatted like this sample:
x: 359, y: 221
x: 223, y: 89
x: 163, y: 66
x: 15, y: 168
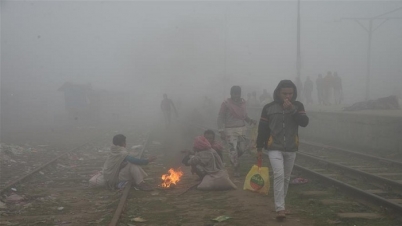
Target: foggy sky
x: 189, y: 48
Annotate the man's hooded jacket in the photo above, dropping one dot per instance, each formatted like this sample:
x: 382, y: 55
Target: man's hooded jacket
x: 278, y: 128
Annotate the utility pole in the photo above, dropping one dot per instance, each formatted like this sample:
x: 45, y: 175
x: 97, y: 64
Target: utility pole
x: 225, y: 78
x: 370, y: 32
x: 298, y: 63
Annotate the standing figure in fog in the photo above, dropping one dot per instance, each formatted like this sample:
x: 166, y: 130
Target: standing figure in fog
x: 265, y: 97
x: 299, y: 86
x: 338, y: 95
x: 308, y: 90
x: 252, y: 100
x: 166, y: 106
x: 320, y: 89
x: 232, y: 127
x: 248, y: 101
x: 278, y: 136
x: 328, y: 86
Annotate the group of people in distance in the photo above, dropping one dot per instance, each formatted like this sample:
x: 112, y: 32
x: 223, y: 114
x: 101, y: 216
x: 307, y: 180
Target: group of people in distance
x: 277, y: 138
x: 329, y: 89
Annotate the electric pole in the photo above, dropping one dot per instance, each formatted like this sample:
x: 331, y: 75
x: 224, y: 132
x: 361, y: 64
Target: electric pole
x: 370, y: 32
x: 298, y: 60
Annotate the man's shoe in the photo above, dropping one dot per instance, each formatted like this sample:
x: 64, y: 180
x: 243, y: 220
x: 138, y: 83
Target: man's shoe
x: 280, y: 215
x: 144, y: 187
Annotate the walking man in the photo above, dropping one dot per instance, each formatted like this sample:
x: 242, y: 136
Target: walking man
x: 308, y: 90
x: 320, y: 89
x: 278, y: 136
x: 232, y: 127
x: 166, y: 106
x: 338, y: 95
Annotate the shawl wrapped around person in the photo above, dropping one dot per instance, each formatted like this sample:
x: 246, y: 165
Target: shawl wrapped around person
x: 216, y: 177
x: 237, y: 109
x: 232, y: 114
x: 207, y: 157
x: 112, y: 166
x: 217, y: 146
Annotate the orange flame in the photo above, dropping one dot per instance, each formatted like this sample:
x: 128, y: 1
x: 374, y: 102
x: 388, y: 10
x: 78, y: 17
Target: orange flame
x: 172, y: 177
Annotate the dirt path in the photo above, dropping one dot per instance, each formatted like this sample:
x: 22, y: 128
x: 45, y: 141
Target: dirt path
x: 172, y: 207
x: 68, y: 188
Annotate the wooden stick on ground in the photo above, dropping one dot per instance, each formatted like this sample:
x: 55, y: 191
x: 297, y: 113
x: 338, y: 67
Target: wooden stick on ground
x: 120, y: 207
x: 188, y: 189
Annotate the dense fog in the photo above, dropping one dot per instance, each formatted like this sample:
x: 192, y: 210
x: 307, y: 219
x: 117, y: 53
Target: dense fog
x: 129, y: 53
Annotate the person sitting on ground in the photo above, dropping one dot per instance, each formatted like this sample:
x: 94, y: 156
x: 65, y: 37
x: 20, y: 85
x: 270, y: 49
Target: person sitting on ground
x: 122, y: 167
x: 210, y: 136
x: 208, y: 166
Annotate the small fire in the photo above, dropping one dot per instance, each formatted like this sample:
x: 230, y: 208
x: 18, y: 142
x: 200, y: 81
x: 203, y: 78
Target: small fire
x: 172, y: 177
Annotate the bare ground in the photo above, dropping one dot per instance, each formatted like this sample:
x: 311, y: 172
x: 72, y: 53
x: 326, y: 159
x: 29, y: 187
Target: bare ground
x: 87, y: 206
x: 194, y: 207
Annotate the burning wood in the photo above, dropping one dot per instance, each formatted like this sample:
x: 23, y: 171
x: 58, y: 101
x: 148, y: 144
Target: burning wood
x: 172, y: 177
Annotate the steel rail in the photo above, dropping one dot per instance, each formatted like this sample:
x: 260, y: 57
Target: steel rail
x: 11, y: 184
x: 126, y: 191
x: 120, y: 207
x: 374, y: 198
x: 372, y: 157
x: 359, y: 172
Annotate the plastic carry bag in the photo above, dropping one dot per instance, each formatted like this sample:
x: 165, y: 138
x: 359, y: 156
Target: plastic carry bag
x: 97, y: 180
x: 257, y: 179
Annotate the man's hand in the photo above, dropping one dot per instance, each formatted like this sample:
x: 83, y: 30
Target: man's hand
x: 287, y: 105
x: 252, y: 122
x: 152, y: 158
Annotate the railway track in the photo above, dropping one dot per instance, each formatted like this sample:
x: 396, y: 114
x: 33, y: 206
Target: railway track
x: 372, y: 179
x: 11, y: 177
x: 57, y: 192
x: 17, y: 161
x: 366, y: 176
x: 380, y: 187
x: 127, y: 188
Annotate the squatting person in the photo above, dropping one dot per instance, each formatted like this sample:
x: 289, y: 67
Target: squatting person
x: 122, y: 167
x: 207, y: 164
